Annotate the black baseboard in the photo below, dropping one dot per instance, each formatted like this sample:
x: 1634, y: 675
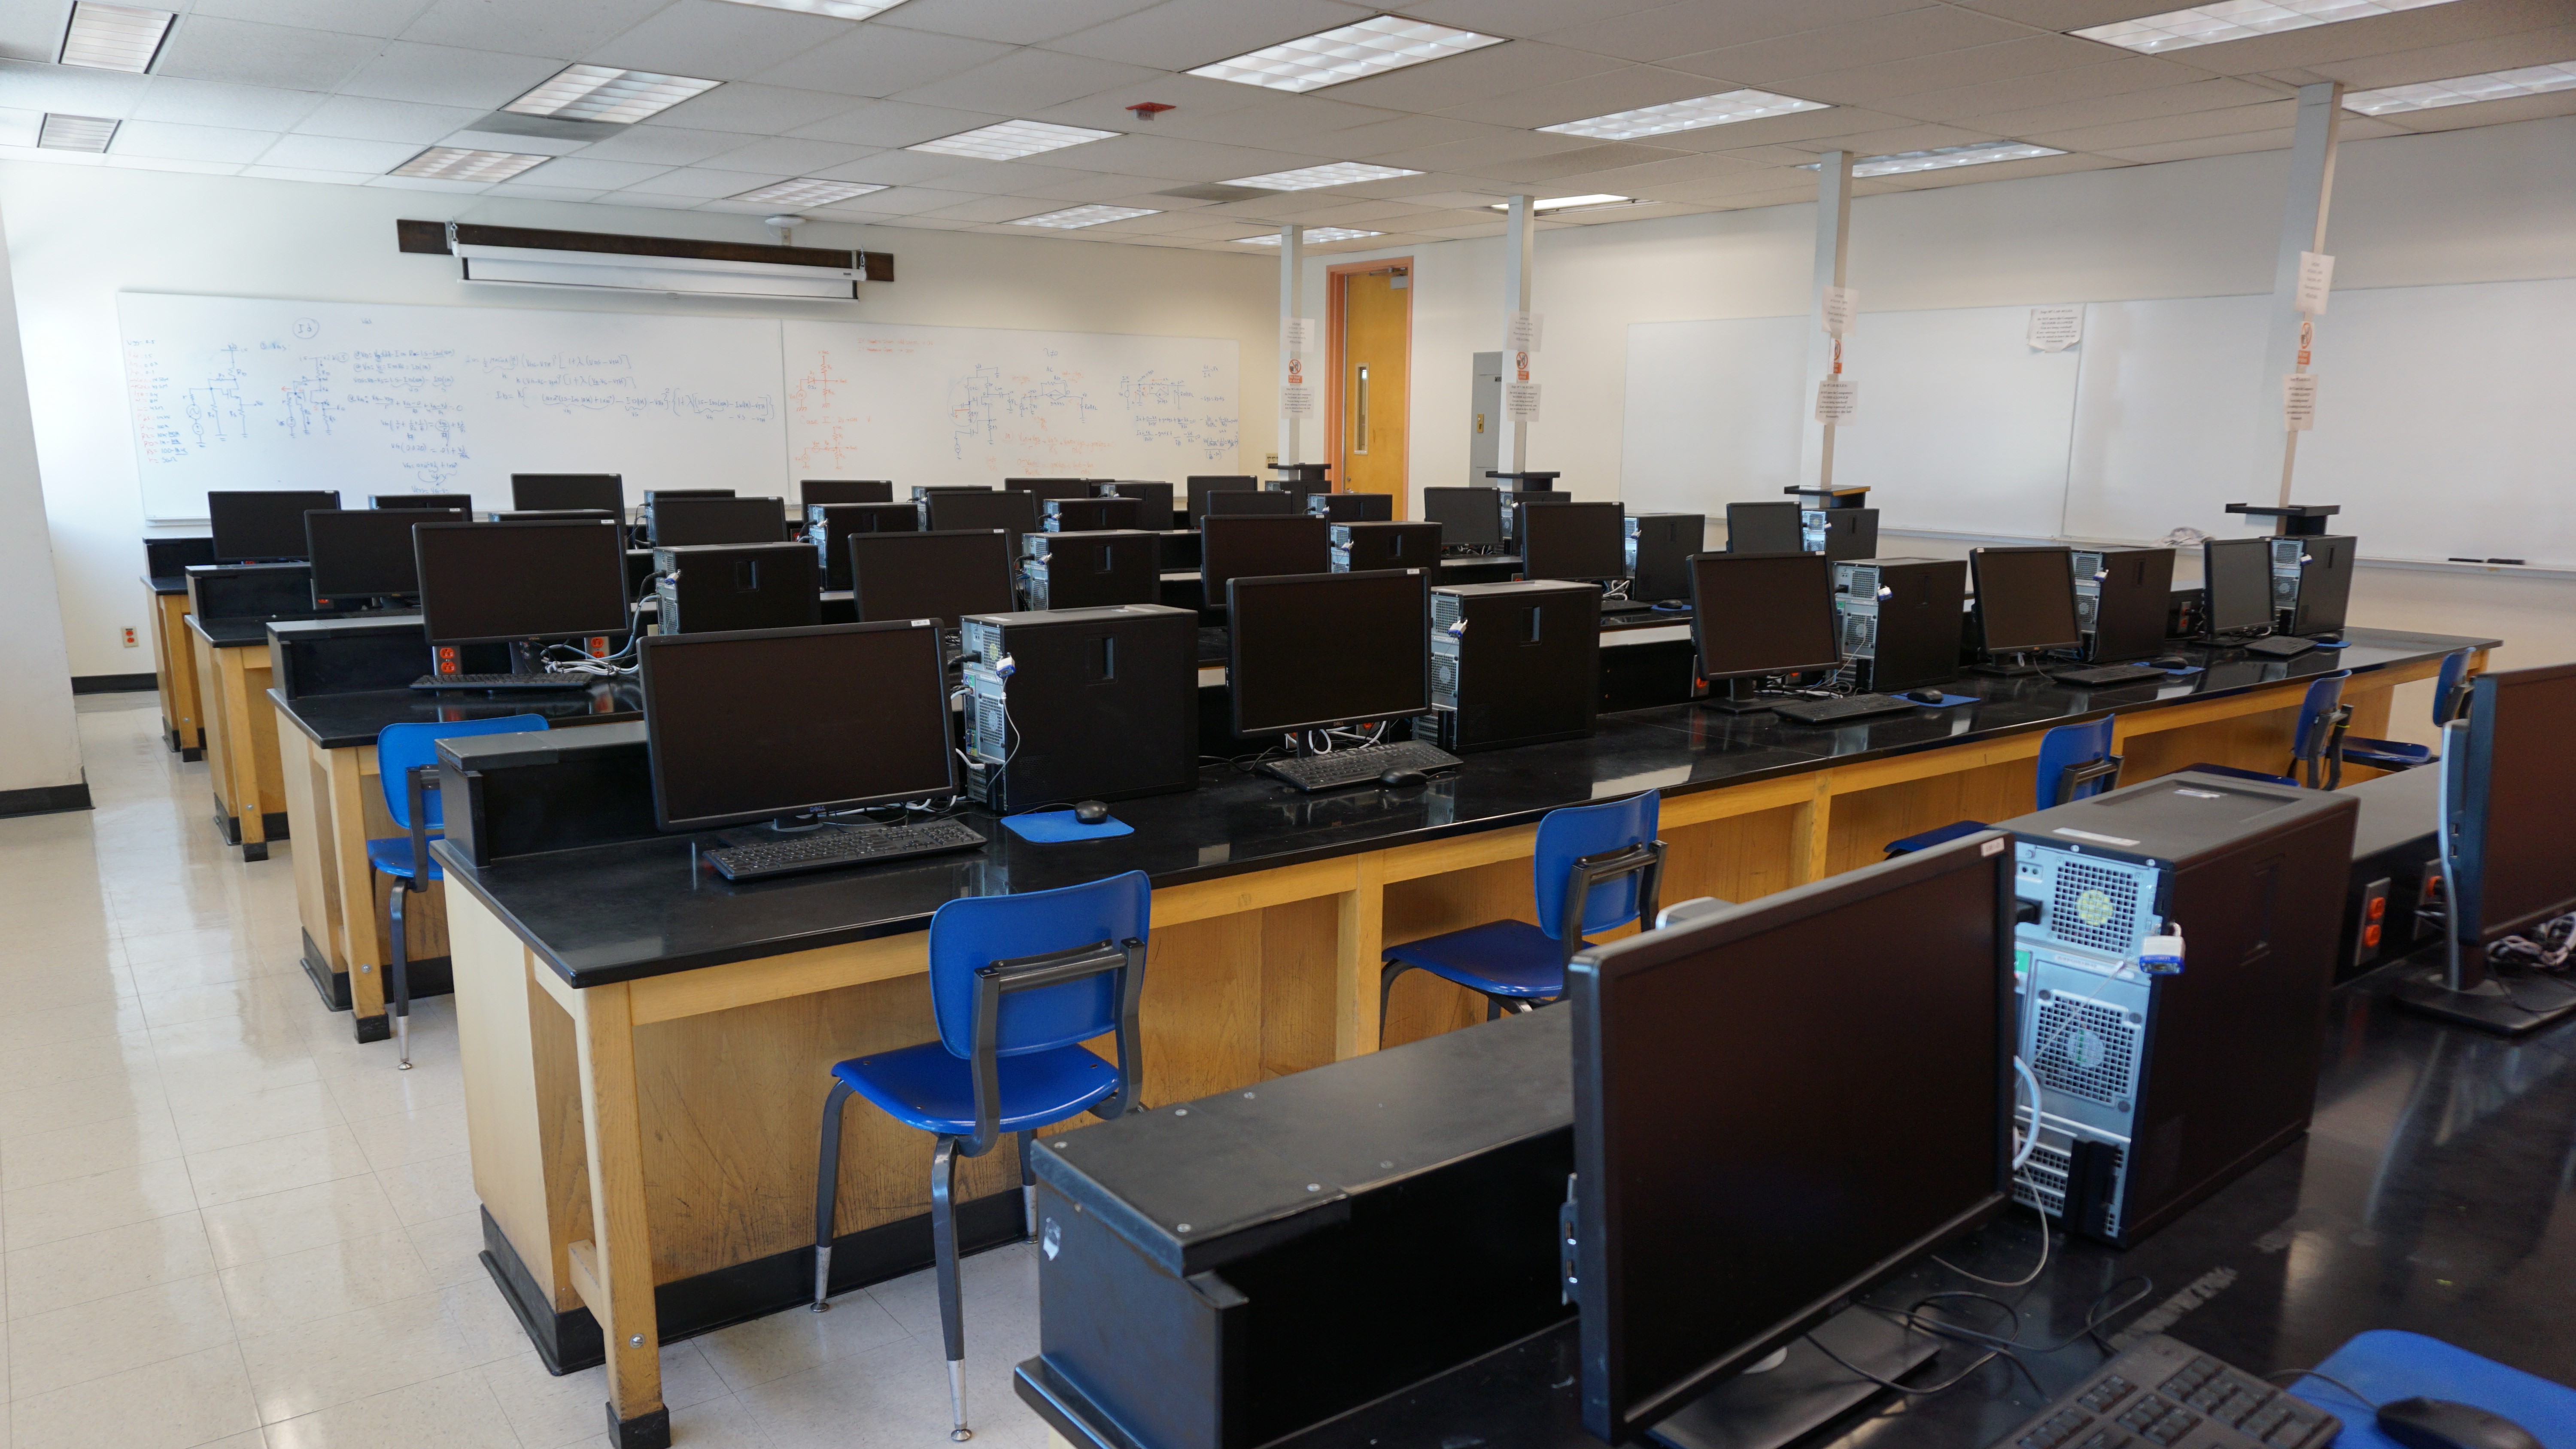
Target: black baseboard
x: 45, y: 799
x: 334, y: 985
x: 114, y: 683
x: 373, y: 1028
x: 229, y: 826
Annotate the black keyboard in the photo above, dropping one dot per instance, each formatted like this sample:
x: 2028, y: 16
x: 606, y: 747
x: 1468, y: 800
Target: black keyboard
x: 1835, y: 711
x: 2108, y: 674
x: 2285, y: 646
x: 2167, y: 1395
x: 1625, y: 606
x: 1361, y: 765
x: 507, y: 681
x: 841, y: 845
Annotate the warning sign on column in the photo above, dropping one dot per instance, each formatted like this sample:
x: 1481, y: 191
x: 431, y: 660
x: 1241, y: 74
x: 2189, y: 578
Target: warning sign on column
x: 1837, y: 401
x: 2299, y: 401
x: 1520, y: 401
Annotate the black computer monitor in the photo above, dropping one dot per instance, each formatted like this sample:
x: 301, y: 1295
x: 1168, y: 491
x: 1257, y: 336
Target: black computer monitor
x: 1234, y: 546
x: 1200, y: 485
x: 1157, y: 498
x: 415, y: 502
x: 2025, y: 604
x: 262, y: 524
x: 1574, y: 540
x: 1013, y: 513
x: 1708, y: 1235
x: 1316, y: 649
x: 1764, y: 528
x: 1043, y: 489
x: 531, y: 491
x: 552, y: 515
x: 1352, y: 507
x: 652, y: 493
x: 363, y: 553
x: 1261, y: 503
x: 1082, y: 515
x: 845, y: 490
x: 488, y: 582
x: 171, y: 558
x: 784, y: 723
x: 943, y: 575
x: 1755, y: 614
x: 681, y: 519
x: 1465, y: 515
x: 2511, y: 784
x: 2236, y: 585
x: 829, y: 525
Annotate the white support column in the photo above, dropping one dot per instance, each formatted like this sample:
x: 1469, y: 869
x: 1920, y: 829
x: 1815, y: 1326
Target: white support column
x: 1292, y: 294
x: 1833, y: 255
x: 1517, y: 235
x: 2303, y: 229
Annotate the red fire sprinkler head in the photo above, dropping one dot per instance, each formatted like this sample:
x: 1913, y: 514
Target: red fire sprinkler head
x: 1148, y: 110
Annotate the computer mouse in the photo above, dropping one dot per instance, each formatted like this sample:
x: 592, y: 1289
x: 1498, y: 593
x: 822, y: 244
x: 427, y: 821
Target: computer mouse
x: 1090, y: 812
x: 1924, y: 696
x: 2169, y: 661
x: 1397, y: 779
x: 2442, y: 1424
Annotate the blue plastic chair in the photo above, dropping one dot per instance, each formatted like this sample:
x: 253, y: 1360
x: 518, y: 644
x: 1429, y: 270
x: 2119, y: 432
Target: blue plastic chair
x: 1605, y: 856
x: 406, y: 759
x: 1017, y: 984
x: 2316, y: 748
x: 2075, y: 762
x: 2450, y: 692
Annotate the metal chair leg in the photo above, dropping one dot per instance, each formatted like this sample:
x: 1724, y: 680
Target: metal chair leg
x: 1029, y: 1183
x: 943, y: 1252
x: 1386, y: 991
x: 398, y: 975
x: 1493, y: 1008
x: 827, y: 1188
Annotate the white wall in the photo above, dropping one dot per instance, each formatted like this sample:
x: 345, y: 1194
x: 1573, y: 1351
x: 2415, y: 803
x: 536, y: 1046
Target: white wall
x: 81, y: 234
x: 39, y: 743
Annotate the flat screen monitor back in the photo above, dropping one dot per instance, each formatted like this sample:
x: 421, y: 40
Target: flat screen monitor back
x: 1764, y: 528
x: 568, y: 490
x: 1043, y: 489
x: 1240, y: 547
x: 1199, y: 486
x: 1737, y: 1231
x: 1574, y: 540
x: 493, y: 582
x: 1263, y: 503
x: 1465, y: 515
x: 1762, y: 613
x: 1013, y: 513
x: 681, y: 520
x: 2236, y: 584
x: 267, y: 523
x: 1315, y: 649
x: 414, y: 502
x: 1157, y: 498
x: 844, y: 490
x: 366, y: 553
x: 2025, y: 599
x: 2520, y: 795
x: 942, y: 575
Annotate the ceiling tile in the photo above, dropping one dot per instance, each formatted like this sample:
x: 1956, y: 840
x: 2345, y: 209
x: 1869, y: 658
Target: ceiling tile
x: 1786, y: 130
x: 582, y: 171
x: 560, y: 29
x: 1522, y: 18
x: 1178, y: 159
x: 713, y: 40
x: 1603, y: 93
x: 1677, y: 178
x: 2076, y: 84
x: 205, y: 47
x: 1180, y: 34
x: 1108, y: 189
x: 1492, y: 144
x: 2196, y: 149
x: 443, y: 75
x: 20, y: 128
x: 1022, y: 80
x: 1458, y: 80
x: 762, y: 110
x: 666, y: 145
x: 190, y: 143
x: 1404, y: 133
x: 299, y: 173
x: 533, y: 192
x: 474, y: 140
x: 1014, y: 22
x: 1907, y: 35
x: 33, y: 30
x: 1698, y: 25
x: 2545, y: 46
x: 698, y: 181
x: 382, y: 18
x: 788, y: 156
x: 892, y: 168
x: 213, y: 103
x: 430, y: 183
x: 2125, y: 135
x: 1912, y: 136
x: 367, y: 119
x: 1558, y: 167
x: 913, y: 200
x: 994, y: 178
x: 878, y: 60
x: 2124, y: 106
x: 171, y: 164
x: 653, y: 201
x: 335, y: 153
x: 894, y: 123
x: 995, y: 208
x: 2378, y: 35
x: 1450, y: 200
x: 1197, y: 99
x: 1879, y: 85
x: 2064, y: 15
x: 1272, y: 118
x: 2480, y: 113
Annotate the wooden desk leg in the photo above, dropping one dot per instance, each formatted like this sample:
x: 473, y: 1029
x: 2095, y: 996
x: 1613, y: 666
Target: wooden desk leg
x: 219, y: 749
x: 317, y: 885
x: 241, y: 760
x: 362, y: 940
x: 618, y: 1286
x: 1358, y: 948
x: 1811, y: 832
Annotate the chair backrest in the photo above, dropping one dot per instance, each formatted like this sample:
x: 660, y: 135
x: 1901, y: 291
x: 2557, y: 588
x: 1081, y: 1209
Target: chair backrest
x: 2325, y: 696
x: 2070, y: 747
x: 1566, y: 836
x: 2450, y: 687
x: 972, y: 932
x: 401, y: 746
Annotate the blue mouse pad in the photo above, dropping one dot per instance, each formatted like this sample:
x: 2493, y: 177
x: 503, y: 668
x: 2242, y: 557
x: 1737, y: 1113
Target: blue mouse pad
x: 1052, y: 827
x: 2387, y: 1364
x: 2334, y: 644
x: 1953, y: 701
x: 2185, y: 672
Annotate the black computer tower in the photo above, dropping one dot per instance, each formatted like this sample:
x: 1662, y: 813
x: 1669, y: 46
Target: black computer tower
x: 1259, y: 502
x: 1512, y: 664
x: 1157, y: 498
x: 827, y: 525
x: 1352, y: 507
x: 2123, y: 597
x: 1100, y: 704
x: 2312, y: 582
x: 1840, y: 533
x: 2159, y: 1086
x: 1089, y: 569
x: 1359, y: 547
x: 1659, y: 550
x: 1898, y: 621
x: 1090, y: 515
x: 710, y: 587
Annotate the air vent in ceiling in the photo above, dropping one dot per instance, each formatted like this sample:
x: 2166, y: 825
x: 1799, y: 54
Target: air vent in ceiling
x: 1216, y: 191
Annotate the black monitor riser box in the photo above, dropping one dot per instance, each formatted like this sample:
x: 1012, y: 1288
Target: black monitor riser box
x: 1764, y: 528
x: 568, y: 490
x: 671, y: 520
x: 1512, y: 664
x: 171, y: 558
x: 718, y: 587
x: 1358, y: 547
x: 1899, y: 620
x: 828, y: 527
x: 811, y: 491
x: 262, y: 525
x: 2123, y: 597
x: 1264, y: 503
x: 1091, y: 569
x: 2159, y: 1087
x: 1099, y: 704
x: 446, y: 502
x: 250, y: 591
x: 943, y: 575
x: 1352, y: 507
x: 1015, y: 513
x: 1156, y: 497
x: 1659, y: 550
x: 2311, y: 582
x: 1090, y: 515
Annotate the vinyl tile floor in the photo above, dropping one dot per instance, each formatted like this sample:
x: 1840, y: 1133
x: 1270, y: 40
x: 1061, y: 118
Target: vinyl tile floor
x: 223, y: 1222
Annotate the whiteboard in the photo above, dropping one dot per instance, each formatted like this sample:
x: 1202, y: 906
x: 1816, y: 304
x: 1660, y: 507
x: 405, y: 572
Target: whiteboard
x: 2167, y: 418
x: 236, y: 392
x: 1963, y: 425
x: 1712, y: 413
x: 977, y: 405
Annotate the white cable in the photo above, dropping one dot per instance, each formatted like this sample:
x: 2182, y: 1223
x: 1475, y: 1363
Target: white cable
x: 2036, y: 1268
x: 2030, y: 1139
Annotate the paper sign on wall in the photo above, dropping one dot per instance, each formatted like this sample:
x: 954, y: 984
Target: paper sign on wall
x: 2055, y: 329
x: 1523, y: 331
x: 1299, y: 334
x: 1837, y: 401
x: 1296, y: 399
x: 2299, y: 401
x: 1520, y: 401
x: 2316, y: 277
x: 1842, y: 307
x: 2307, y: 341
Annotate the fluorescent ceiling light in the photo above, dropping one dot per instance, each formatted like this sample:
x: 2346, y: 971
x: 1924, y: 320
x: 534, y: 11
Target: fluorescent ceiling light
x: 2237, y: 20
x: 837, y: 9
x: 1312, y: 234
x: 1333, y: 173
x: 1942, y: 158
x: 605, y: 93
x: 1079, y: 216
x: 1372, y: 47
x: 462, y: 163
x: 1569, y: 203
x: 2530, y: 80
x: 1011, y: 140
x: 1690, y: 115
x: 113, y: 37
x: 75, y: 133
x: 806, y: 191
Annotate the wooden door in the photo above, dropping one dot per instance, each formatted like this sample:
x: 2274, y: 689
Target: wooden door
x: 1371, y: 379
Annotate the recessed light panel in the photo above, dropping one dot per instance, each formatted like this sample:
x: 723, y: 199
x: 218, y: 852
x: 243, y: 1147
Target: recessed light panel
x: 1569, y: 203
x: 2237, y: 20
x: 1942, y: 158
x: 460, y: 163
x: 806, y: 191
x: 2530, y: 80
x: 1690, y: 115
x: 1372, y: 47
x: 1010, y: 140
x: 1080, y: 216
x: 1316, y: 234
x: 75, y: 133
x: 604, y: 93
x: 113, y: 37
x: 837, y: 9
x: 1308, y: 178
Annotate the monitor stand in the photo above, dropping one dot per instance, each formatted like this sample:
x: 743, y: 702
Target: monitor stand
x: 770, y: 832
x: 2466, y: 997
x: 2009, y: 664
x: 1743, y: 696
x: 1764, y: 1410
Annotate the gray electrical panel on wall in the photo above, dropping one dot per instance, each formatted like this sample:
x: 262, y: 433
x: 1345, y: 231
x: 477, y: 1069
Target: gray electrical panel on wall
x: 1485, y: 429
